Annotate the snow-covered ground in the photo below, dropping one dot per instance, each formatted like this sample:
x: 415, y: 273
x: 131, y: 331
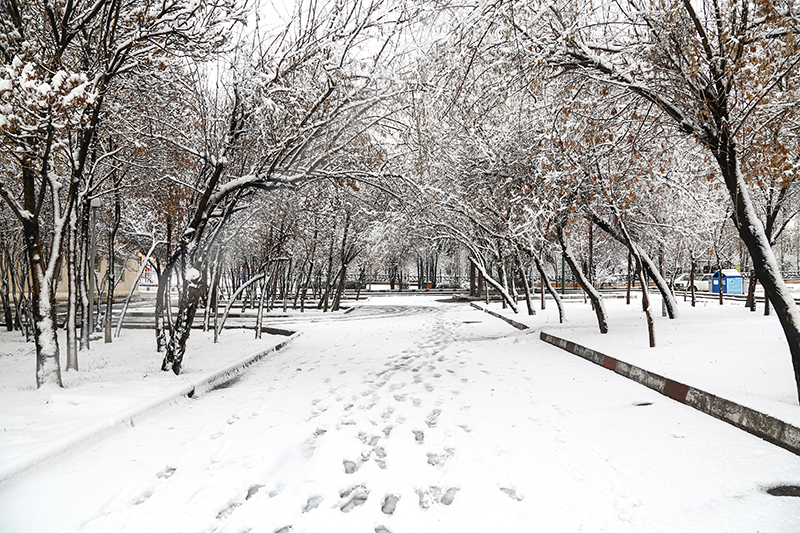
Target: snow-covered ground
x: 726, y: 350
x: 412, y: 414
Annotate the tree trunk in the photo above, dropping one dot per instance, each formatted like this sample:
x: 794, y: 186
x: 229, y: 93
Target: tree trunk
x: 328, y: 276
x: 48, y: 366
x: 499, y: 288
x: 300, y: 276
x: 634, y: 251
x: 692, y: 278
x: 233, y: 298
x: 501, y: 276
x: 628, y: 279
x: 597, y: 300
x: 162, y: 299
x: 546, y: 284
x: 648, y: 266
x: 337, y: 298
x: 187, y: 307
x: 133, y: 287
x: 344, y: 258
x: 85, y: 269
x: 361, y: 275
x: 72, y: 300
x: 541, y: 288
x: 751, y: 292
x: 260, y: 314
x: 472, y: 280
x: 287, y: 283
x: 305, y: 286
x: 525, y: 285
x: 112, y: 259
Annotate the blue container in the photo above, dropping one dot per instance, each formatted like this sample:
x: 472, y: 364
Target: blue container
x: 731, y: 281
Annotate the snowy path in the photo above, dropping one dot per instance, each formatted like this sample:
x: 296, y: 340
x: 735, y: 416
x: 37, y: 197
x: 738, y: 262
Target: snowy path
x: 410, y: 415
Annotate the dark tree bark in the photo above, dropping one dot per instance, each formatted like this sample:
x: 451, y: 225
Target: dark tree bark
x: 628, y: 279
x: 72, y: 298
x: 494, y: 283
x: 597, y: 300
x: 634, y: 251
x: 348, y: 253
x: 546, y: 283
x: 649, y: 268
x: 112, y: 259
x: 525, y: 285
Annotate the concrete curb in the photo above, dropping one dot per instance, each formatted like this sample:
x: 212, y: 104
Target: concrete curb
x: 518, y: 325
x: 754, y: 422
x: 78, y: 440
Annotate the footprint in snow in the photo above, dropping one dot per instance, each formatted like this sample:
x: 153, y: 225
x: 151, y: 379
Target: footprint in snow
x: 143, y: 497
x: 252, y: 491
x: 433, y: 495
x: 419, y: 436
x: 429, y: 497
x: 226, y: 512
x: 511, y: 493
x: 438, y: 459
x: 433, y: 418
x: 449, y: 496
x: 312, y: 503
x: 166, y: 473
x: 356, y: 496
x: 390, y: 504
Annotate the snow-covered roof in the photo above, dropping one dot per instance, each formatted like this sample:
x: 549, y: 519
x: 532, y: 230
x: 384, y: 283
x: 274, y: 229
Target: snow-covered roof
x: 731, y: 273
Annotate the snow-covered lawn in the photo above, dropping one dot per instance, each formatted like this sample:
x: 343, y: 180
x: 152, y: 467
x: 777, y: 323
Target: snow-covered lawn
x: 726, y: 350
x: 415, y: 415
x: 113, y: 377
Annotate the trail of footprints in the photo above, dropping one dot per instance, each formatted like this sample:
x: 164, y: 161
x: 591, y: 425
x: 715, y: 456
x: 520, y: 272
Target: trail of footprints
x: 358, y: 494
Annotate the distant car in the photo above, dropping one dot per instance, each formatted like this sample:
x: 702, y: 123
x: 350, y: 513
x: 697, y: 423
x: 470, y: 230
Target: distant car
x: 682, y: 282
x: 702, y: 282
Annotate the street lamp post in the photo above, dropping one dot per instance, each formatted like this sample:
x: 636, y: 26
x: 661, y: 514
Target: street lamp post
x: 95, y: 203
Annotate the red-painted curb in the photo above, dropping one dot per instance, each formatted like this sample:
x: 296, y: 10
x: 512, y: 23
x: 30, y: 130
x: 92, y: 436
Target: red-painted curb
x: 754, y: 422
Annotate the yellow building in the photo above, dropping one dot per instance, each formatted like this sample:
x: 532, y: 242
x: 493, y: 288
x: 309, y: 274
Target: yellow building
x: 125, y: 271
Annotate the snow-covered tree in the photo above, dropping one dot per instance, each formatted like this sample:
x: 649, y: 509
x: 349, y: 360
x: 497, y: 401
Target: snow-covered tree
x: 60, y: 62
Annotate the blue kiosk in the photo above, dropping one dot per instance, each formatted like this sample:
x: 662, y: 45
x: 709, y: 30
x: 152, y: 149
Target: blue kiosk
x: 731, y: 281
